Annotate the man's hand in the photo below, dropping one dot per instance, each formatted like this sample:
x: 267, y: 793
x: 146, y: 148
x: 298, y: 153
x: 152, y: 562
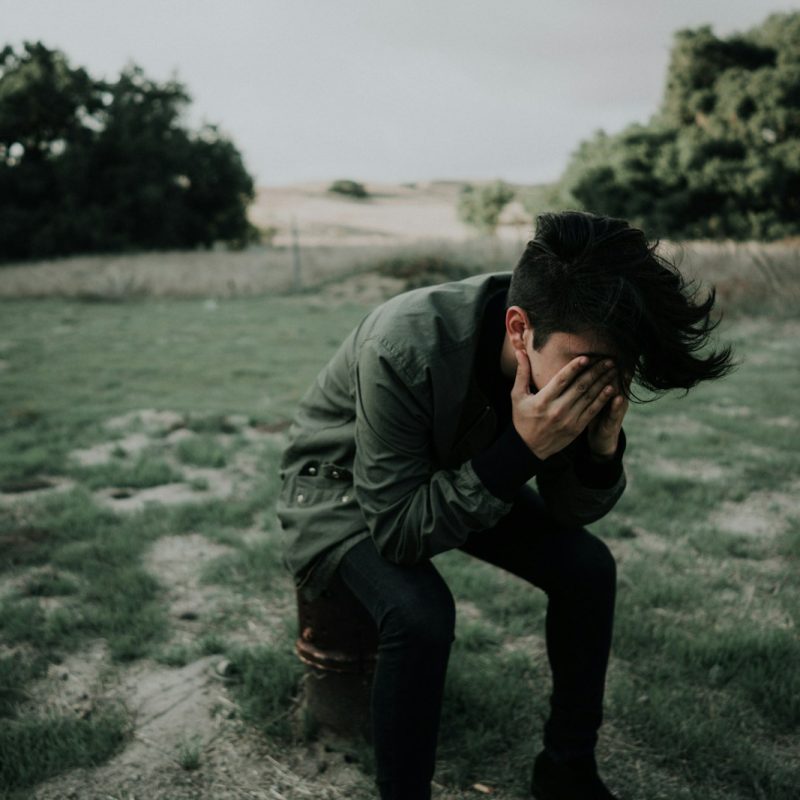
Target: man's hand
x: 550, y: 419
x: 603, y: 430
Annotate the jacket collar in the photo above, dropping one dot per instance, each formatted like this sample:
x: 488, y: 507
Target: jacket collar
x: 477, y: 421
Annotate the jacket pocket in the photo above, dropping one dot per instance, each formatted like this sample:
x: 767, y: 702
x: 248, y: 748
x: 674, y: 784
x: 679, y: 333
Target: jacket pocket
x: 317, y: 510
x: 322, y: 482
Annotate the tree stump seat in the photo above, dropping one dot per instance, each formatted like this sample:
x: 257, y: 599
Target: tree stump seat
x: 338, y: 642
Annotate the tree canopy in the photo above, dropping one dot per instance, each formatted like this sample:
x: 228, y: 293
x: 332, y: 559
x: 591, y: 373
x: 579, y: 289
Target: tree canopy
x: 481, y: 206
x: 88, y: 165
x: 721, y: 157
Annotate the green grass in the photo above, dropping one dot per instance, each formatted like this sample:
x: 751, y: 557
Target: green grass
x: 36, y: 748
x: 147, y: 470
x: 267, y: 680
x: 703, y: 689
x: 189, y: 753
x: 202, y: 451
x: 250, y: 567
x: 492, y: 712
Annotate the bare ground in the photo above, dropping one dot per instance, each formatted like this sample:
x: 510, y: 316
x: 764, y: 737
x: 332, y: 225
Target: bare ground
x: 190, y: 706
x: 175, y: 708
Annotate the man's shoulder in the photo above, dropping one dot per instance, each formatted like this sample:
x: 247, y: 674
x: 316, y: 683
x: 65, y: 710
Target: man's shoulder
x: 442, y: 316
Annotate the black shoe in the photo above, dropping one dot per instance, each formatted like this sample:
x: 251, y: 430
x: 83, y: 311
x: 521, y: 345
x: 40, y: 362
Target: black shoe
x: 569, y: 780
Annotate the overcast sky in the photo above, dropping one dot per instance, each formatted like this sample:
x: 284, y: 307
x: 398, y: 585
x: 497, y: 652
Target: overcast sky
x: 392, y: 90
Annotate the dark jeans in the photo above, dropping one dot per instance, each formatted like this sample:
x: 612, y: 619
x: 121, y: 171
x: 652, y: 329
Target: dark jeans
x: 415, y: 615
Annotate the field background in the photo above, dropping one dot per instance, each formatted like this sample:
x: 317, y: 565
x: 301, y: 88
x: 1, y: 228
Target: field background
x: 332, y: 236
x: 146, y: 625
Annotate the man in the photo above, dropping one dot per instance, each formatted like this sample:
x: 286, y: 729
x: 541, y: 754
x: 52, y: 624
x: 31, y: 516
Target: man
x: 421, y: 435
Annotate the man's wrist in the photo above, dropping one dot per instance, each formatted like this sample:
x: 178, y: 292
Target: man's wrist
x: 602, y: 458
x: 595, y: 471
x: 506, y: 464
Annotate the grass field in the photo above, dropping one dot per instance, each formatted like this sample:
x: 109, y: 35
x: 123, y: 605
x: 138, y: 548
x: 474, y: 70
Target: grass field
x: 146, y: 624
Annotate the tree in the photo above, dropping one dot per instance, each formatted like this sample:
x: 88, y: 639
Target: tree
x: 481, y: 206
x: 88, y: 165
x: 721, y: 157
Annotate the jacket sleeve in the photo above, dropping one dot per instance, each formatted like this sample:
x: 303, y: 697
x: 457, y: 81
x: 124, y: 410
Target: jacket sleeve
x: 412, y: 510
x: 577, y: 491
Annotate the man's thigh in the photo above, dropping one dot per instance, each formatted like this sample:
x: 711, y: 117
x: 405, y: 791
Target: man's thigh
x: 384, y: 588
x: 530, y: 543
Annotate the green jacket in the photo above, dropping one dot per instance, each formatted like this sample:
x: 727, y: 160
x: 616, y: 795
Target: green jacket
x: 381, y: 442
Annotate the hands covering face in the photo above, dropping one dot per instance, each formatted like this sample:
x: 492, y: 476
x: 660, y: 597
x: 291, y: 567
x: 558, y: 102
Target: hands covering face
x: 580, y: 395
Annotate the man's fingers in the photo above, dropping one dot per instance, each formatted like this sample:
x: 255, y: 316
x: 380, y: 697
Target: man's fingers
x: 594, y: 408
x: 618, y: 408
x: 582, y: 392
x: 522, y: 380
x: 615, y: 410
x: 586, y: 389
x: 558, y: 384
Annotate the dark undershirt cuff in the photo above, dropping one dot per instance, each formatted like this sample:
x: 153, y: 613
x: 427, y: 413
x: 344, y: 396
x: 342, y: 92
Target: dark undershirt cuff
x: 506, y: 464
x: 598, y: 474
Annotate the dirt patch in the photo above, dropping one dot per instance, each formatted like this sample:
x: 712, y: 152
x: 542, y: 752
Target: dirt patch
x: 637, y: 543
x: 680, y: 425
x: 74, y: 685
x: 189, y: 709
x: 467, y: 610
x: 104, y: 451
x: 150, y: 421
x: 732, y: 411
x: 533, y: 645
x: 761, y: 514
x: 172, y: 708
x: 178, y: 562
x: 744, y: 604
x: 692, y: 469
x: 129, y: 500
x: 165, y: 430
x: 782, y: 422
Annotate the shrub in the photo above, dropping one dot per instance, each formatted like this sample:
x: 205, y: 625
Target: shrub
x: 349, y: 189
x: 422, y: 270
x: 481, y: 206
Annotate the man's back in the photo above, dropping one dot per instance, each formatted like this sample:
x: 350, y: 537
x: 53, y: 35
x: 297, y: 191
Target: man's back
x: 398, y: 399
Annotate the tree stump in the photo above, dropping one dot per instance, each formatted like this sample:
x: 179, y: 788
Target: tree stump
x: 338, y: 642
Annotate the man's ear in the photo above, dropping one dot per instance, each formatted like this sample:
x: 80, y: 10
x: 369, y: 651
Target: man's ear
x: 517, y: 324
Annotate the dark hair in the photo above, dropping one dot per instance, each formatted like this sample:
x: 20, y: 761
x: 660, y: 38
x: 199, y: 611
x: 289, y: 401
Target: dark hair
x: 583, y: 272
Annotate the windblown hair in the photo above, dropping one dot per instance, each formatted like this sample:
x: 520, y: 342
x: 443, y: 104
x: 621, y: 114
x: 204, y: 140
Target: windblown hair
x: 587, y: 273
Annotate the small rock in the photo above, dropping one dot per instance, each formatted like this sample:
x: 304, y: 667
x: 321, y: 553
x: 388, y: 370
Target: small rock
x: 225, y: 669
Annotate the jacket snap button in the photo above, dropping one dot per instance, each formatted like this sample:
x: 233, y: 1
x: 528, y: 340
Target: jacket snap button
x: 300, y: 498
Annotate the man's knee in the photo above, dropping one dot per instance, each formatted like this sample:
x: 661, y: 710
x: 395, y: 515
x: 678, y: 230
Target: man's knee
x: 426, y: 619
x: 588, y: 563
